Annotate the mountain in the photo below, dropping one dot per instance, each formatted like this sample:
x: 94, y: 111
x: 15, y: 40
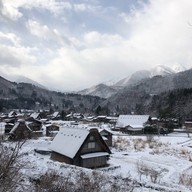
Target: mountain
x: 139, y: 98
x: 99, y: 90
x: 144, y: 74
x: 178, y: 68
x: 21, y: 79
x: 106, y: 90
x: 27, y: 96
x: 135, y: 78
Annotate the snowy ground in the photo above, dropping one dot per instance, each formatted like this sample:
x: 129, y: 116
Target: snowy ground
x: 163, y: 159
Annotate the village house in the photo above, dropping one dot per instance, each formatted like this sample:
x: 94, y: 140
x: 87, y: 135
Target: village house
x: 188, y: 125
x: 12, y: 114
x: 81, y: 147
x: 133, y: 124
x: 8, y: 127
x: 52, y: 130
x: 107, y: 136
x: 20, y: 131
x: 36, y: 126
x: 55, y: 116
x: 35, y: 115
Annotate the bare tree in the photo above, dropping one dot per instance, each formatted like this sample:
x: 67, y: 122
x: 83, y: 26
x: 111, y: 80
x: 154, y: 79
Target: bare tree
x: 10, y: 166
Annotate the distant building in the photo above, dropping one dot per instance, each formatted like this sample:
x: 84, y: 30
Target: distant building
x: 132, y: 123
x: 55, y: 116
x: 20, y: 131
x: 35, y: 116
x: 51, y: 130
x: 107, y: 136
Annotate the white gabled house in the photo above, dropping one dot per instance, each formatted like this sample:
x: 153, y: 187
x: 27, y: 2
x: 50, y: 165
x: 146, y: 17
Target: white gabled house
x: 132, y: 123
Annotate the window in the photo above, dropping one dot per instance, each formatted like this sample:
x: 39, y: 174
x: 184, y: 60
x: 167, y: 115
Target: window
x: 91, y: 138
x: 91, y: 145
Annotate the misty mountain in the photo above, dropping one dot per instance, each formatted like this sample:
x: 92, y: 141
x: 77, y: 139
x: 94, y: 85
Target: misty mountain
x: 100, y: 90
x: 159, y: 70
x: 140, y: 97
x: 21, y: 79
x: 27, y: 96
x: 135, y: 78
x: 108, y: 89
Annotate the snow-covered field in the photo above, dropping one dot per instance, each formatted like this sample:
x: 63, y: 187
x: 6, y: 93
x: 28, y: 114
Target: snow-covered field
x: 156, y: 164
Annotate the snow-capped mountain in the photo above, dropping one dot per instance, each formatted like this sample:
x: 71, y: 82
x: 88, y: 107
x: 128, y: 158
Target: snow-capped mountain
x: 161, y: 70
x: 21, y: 79
x: 143, y: 74
x: 105, y: 90
x: 178, y: 68
x: 100, y: 90
x: 135, y: 78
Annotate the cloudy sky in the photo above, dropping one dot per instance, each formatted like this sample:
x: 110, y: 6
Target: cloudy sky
x: 73, y: 44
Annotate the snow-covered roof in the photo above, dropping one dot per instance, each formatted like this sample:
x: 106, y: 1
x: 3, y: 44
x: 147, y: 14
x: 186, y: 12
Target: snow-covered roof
x: 92, y: 155
x: 17, y: 124
x: 107, y: 130
x: 132, y: 120
x: 68, y: 141
x: 55, y: 114
x: 34, y: 115
x: 11, y: 114
x: 104, y: 138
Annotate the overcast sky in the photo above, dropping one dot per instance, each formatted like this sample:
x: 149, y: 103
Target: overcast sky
x: 73, y: 44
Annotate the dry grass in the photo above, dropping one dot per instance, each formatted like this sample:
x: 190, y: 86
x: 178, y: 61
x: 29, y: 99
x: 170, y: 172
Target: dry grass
x: 150, y: 172
x: 185, y: 179
x: 121, y: 143
x: 139, y: 144
x: 78, y: 181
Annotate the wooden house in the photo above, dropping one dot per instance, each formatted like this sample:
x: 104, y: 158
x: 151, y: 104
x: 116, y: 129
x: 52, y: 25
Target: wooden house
x: 12, y: 114
x: 80, y: 147
x: 35, y: 116
x: 133, y: 124
x: 56, y: 116
x: 188, y: 125
x: 36, y: 126
x: 107, y: 134
x: 8, y: 127
x: 51, y: 130
x: 20, y: 131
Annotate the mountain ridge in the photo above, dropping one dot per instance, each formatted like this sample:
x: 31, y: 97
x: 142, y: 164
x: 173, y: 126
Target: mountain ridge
x: 140, y: 96
x: 106, y: 91
x: 27, y: 96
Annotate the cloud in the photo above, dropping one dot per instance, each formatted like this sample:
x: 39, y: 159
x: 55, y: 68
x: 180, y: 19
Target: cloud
x: 11, y: 9
x: 10, y: 38
x: 53, y: 36
x: 15, y: 56
x: 9, y: 12
x: 84, y: 7
x: 12, y: 53
x: 113, y: 42
x: 160, y: 33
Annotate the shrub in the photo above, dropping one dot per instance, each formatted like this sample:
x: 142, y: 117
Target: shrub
x: 185, y: 179
x: 150, y: 172
x: 10, y: 167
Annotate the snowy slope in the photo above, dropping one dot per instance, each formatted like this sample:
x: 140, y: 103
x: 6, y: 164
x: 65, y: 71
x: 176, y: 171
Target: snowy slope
x: 138, y: 76
x: 167, y: 156
x: 100, y: 90
x: 21, y: 79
